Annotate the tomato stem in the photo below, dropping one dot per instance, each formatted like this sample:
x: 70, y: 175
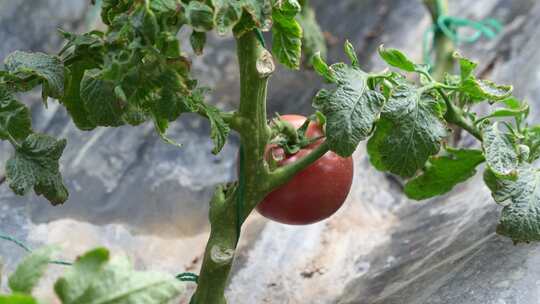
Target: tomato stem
x: 256, y: 66
x: 250, y: 121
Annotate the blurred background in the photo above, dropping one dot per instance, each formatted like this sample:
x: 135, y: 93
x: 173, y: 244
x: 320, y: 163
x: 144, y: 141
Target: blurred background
x: 138, y: 196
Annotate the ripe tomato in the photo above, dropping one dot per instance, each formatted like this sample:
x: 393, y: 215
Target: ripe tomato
x: 316, y: 192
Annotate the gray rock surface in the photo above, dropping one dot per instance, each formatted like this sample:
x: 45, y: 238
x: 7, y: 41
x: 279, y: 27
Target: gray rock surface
x: 131, y: 192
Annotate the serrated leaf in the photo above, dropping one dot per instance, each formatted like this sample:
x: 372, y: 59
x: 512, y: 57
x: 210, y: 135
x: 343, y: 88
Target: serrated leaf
x: 480, y: 89
x: 220, y: 130
x: 444, y: 172
x: 351, y: 109
x: 410, y: 130
x: 81, y: 275
x: 115, y: 283
x: 15, y: 121
x: 396, y: 59
x: 500, y: 151
x: 520, y: 218
x: 30, y: 271
x: 466, y: 65
x: 17, y: 299
x: 200, y: 16
x: 46, y: 67
x: 100, y: 101
x: 35, y: 165
x: 197, y: 40
x: 286, y: 39
x: 312, y: 37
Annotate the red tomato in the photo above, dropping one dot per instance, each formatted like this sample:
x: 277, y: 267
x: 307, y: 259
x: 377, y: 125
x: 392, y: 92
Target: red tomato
x: 316, y: 192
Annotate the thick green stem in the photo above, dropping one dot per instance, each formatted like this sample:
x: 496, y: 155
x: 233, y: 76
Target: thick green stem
x: 256, y: 65
x: 219, y: 252
x: 227, y: 212
x: 444, y: 47
x: 455, y: 116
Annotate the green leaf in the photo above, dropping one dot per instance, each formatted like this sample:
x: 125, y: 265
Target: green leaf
x: 48, y: 68
x: 164, y: 6
x: 30, y: 270
x: 260, y: 12
x: 72, y: 99
x: 220, y: 130
x: 396, y: 59
x: 480, y: 89
x: 100, y: 100
x: 444, y: 172
x: 513, y: 103
x: 169, y: 45
x: 410, y: 130
x: 500, y: 151
x: 322, y: 68
x: 35, y: 165
x: 110, y: 9
x: 466, y: 65
x: 287, y: 34
x: 15, y: 121
x: 81, y: 275
x: 226, y: 14
x: 505, y: 112
x: 350, y: 110
x: 94, y: 280
x: 200, y: 16
x: 520, y: 218
x: 81, y: 50
x: 257, y: 14
x: 198, y: 40
x: 532, y: 140
x: 17, y: 299
x: 313, y: 41
x: 351, y: 53
x: 161, y: 126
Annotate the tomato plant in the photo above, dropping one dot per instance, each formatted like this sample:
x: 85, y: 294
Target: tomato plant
x: 314, y: 193
x: 136, y: 72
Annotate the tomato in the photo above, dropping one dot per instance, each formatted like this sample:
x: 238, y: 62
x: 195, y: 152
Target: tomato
x: 316, y: 192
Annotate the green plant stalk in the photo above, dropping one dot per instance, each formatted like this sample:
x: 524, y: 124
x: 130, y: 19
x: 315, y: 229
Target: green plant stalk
x: 256, y: 66
x: 444, y: 47
x: 219, y: 252
x: 250, y: 121
x: 455, y: 116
